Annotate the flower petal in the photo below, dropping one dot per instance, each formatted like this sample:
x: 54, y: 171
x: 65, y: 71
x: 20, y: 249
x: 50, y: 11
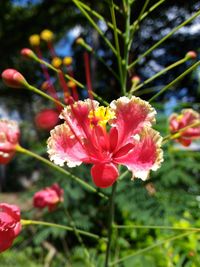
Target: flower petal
x: 104, y: 175
x: 145, y: 156
x: 131, y: 116
x: 63, y: 146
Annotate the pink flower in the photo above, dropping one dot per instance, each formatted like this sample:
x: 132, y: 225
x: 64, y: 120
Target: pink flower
x: 10, y: 225
x: 48, y: 197
x: 9, y: 136
x: 185, y: 119
x: 47, y: 119
x: 107, y: 137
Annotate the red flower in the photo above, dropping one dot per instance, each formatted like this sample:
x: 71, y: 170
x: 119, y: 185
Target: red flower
x: 186, y: 118
x: 10, y: 225
x: 48, y: 197
x: 47, y: 119
x: 9, y: 136
x: 106, y: 137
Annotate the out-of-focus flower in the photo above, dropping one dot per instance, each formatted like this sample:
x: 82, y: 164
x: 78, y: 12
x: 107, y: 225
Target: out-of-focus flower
x: 13, y: 78
x: 179, y: 121
x: 106, y: 137
x: 9, y: 137
x: 47, y: 35
x: 34, y: 40
x: 48, y: 197
x: 47, y: 119
x: 67, y: 61
x: 10, y: 225
x: 56, y: 62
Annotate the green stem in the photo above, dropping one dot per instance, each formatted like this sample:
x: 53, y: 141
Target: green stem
x: 70, y: 78
x: 110, y: 223
x: 68, y: 228
x: 147, y: 13
x: 163, y: 39
x: 126, y: 44
x: 118, y: 55
x: 157, y: 227
x: 177, y: 63
x: 133, y: 29
x: 95, y: 26
x: 97, y: 15
x: 51, y: 165
x: 178, y: 133
x: 191, y: 68
x: 144, y: 250
x: 39, y: 92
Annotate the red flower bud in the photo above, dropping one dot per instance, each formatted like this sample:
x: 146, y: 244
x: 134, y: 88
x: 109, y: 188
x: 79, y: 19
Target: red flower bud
x: 27, y: 53
x: 135, y: 79
x: 13, y: 78
x: 47, y: 119
x: 10, y: 225
x: 48, y: 197
x: 191, y: 55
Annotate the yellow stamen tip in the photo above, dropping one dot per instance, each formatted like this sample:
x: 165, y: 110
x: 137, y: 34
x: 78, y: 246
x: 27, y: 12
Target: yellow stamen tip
x: 34, y: 40
x: 56, y: 62
x: 47, y: 35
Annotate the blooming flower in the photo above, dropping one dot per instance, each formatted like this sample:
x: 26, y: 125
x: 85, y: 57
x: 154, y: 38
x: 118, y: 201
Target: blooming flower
x: 47, y: 119
x: 10, y: 225
x: 179, y: 121
x: 9, y: 136
x: 106, y: 137
x: 48, y: 197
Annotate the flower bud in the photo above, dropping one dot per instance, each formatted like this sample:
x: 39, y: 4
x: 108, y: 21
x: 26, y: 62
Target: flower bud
x: 13, y: 78
x: 34, y: 40
x: 45, y: 86
x: 135, y: 79
x: 47, y: 35
x: 10, y: 225
x: 67, y: 61
x: 56, y: 62
x: 191, y: 55
x: 28, y: 53
x: 47, y: 119
x: 79, y: 41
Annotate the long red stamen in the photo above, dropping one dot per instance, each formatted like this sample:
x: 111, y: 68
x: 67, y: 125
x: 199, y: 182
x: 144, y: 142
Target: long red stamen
x: 51, y: 90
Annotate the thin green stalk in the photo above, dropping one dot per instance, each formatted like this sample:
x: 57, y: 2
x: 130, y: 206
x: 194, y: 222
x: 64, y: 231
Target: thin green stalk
x: 95, y: 26
x: 133, y: 30
x: 126, y: 43
x: 178, y: 133
x: 68, y: 228
x: 163, y: 71
x: 97, y: 15
x: 123, y: 175
x: 110, y: 223
x: 92, y: 51
x: 147, y: 13
x: 70, y: 78
x: 163, y: 39
x: 68, y: 174
x: 39, y: 92
x: 156, y: 227
x: 144, y: 250
x: 76, y: 232
x: 118, y: 55
x: 41, y: 61
x: 191, y: 68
